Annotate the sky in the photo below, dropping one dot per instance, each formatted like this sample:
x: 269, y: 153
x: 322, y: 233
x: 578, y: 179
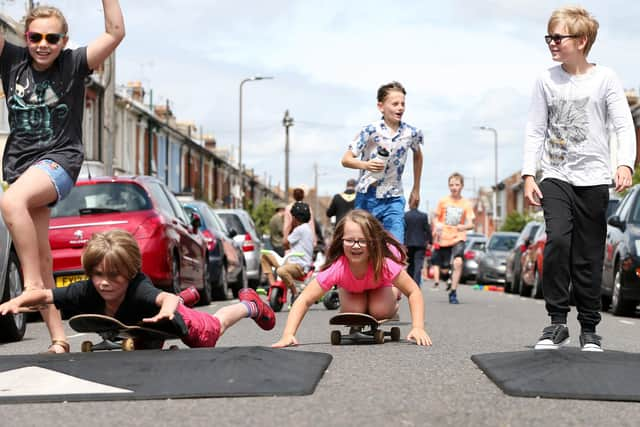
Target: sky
x: 464, y: 64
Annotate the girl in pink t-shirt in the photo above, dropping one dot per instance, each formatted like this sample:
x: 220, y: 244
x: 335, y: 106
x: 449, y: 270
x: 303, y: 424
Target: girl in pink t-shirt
x: 367, y: 264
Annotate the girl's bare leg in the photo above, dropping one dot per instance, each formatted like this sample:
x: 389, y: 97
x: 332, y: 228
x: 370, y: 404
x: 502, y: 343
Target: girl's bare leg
x: 25, y: 212
x: 353, y: 302
x: 383, y: 303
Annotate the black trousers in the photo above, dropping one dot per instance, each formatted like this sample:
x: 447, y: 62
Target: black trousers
x: 415, y: 255
x: 573, y: 254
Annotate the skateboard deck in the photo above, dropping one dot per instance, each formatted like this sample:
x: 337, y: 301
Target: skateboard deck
x: 362, y: 328
x: 116, y: 335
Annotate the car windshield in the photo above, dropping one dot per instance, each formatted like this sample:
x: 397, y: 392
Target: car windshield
x: 106, y: 197
x: 502, y: 243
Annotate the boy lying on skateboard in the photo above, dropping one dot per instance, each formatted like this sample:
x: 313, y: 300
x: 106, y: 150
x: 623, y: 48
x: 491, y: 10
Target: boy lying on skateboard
x: 117, y: 288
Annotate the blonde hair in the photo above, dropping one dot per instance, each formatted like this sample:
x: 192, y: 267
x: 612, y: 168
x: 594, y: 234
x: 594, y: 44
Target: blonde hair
x: 579, y: 22
x: 46, y: 12
x: 378, y: 242
x: 458, y: 176
x: 117, y: 249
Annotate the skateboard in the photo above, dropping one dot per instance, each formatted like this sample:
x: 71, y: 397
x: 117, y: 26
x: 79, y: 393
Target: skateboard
x: 118, y: 336
x: 362, y: 327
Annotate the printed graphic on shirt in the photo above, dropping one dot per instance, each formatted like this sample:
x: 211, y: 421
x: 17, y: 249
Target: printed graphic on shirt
x: 453, y: 215
x: 35, y: 106
x: 568, y: 124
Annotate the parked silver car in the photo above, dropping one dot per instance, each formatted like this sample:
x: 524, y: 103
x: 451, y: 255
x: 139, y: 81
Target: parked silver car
x: 12, y: 327
x: 243, y: 229
x: 473, y: 249
x: 492, y: 264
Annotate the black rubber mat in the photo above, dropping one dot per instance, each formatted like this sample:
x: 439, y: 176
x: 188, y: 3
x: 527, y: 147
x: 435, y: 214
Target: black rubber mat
x: 564, y: 374
x: 160, y: 374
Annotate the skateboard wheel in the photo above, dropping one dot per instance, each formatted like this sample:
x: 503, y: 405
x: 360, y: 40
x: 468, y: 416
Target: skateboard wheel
x: 336, y: 337
x: 86, y: 346
x: 378, y: 336
x: 173, y: 347
x: 395, y: 334
x: 128, y: 345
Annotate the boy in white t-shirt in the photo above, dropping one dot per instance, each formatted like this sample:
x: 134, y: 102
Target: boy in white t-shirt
x: 572, y: 106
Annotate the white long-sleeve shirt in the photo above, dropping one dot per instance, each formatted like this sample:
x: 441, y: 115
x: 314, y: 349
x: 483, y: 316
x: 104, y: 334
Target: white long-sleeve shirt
x: 567, y: 126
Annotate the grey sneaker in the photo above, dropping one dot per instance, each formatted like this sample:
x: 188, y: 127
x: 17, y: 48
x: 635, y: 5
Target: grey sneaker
x: 590, y: 341
x: 553, y: 337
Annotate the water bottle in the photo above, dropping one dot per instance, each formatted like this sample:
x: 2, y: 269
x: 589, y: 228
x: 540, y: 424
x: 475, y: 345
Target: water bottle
x: 383, y: 154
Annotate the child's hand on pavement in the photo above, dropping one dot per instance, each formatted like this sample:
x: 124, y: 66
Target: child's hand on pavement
x: 420, y: 336
x: 285, y: 341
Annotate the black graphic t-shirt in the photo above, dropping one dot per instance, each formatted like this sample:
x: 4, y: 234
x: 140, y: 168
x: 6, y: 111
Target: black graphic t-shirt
x: 139, y: 302
x: 45, y: 110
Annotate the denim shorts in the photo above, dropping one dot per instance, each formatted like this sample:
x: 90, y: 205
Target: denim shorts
x: 59, y: 177
x: 389, y: 211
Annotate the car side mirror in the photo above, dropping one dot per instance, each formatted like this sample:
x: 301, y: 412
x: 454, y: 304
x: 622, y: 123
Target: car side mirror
x: 232, y: 233
x: 615, y: 221
x: 196, y: 221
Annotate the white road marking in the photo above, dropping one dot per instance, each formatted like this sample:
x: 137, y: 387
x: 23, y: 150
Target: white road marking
x: 627, y: 322
x: 36, y: 381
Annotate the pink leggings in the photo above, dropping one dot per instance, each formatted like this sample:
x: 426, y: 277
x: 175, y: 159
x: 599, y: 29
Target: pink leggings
x: 204, y: 328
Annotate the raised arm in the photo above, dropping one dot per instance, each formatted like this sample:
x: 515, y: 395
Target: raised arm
x: 99, y: 49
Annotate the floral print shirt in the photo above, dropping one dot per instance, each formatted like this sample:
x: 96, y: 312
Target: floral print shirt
x: 365, y: 146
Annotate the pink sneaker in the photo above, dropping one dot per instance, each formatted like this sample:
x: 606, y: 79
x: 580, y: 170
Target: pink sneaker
x: 266, y: 318
x: 190, y: 296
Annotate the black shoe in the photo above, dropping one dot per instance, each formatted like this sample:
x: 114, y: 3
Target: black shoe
x: 590, y: 341
x: 435, y: 285
x: 553, y: 337
x: 453, y: 298
x: 448, y: 285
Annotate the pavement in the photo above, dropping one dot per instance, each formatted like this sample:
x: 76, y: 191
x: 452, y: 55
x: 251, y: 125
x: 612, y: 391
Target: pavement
x: 397, y: 384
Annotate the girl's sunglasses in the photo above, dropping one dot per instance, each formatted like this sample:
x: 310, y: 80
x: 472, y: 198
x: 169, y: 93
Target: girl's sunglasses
x: 557, y: 38
x: 51, y: 38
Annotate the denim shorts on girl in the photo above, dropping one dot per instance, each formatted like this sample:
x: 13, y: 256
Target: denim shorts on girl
x: 59, y: 177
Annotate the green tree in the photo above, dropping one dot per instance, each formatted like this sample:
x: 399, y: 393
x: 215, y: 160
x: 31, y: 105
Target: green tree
x: 515, y: 221
x: 262, y: 214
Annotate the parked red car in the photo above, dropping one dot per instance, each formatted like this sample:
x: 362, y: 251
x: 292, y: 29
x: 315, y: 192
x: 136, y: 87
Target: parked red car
x: 173, y: 249
x: 531, y: 265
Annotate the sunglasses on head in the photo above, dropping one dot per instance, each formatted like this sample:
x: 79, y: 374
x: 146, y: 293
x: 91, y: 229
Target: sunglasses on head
x: 51, y: 38
x: 557, y: 38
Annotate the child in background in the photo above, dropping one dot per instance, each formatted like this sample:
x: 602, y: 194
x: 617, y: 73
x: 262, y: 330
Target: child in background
x: 453, y: 218
x: 117, y: 288
x: 572, y: 107
x: 44, y: 86
x: 379, y: 151
x: 366, y: 263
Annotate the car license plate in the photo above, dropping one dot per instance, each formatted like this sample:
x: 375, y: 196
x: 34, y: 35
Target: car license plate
x: 64, y: 281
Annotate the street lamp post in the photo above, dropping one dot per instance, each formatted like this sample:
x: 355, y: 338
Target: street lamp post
x: 287, y: 122
x: 495, y: 172
x: 249, y: 79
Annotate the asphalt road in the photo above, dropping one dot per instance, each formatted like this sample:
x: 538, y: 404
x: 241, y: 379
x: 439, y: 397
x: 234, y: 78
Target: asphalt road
x: 395, y: 384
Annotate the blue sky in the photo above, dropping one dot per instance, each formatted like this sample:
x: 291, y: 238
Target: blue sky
x: 464, y: 63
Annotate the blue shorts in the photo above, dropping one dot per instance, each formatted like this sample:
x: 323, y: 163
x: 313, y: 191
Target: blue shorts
x: 389, y: 211
x: 59, y: 177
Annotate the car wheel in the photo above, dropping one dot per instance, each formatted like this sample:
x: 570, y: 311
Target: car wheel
x: 176, y: 286
x: 619, y: 305
x: 514, y: 287
x: 205, y: 298
x: 221, y: 291
x: 12, y: 327
x: 525, y: 291
x: 536, y: 289
x: 243, y: 281
x: 254, y: 283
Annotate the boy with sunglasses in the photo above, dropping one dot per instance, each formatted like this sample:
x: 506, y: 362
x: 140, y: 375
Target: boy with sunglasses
x: 572, y: 107
x: 44, y: 90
